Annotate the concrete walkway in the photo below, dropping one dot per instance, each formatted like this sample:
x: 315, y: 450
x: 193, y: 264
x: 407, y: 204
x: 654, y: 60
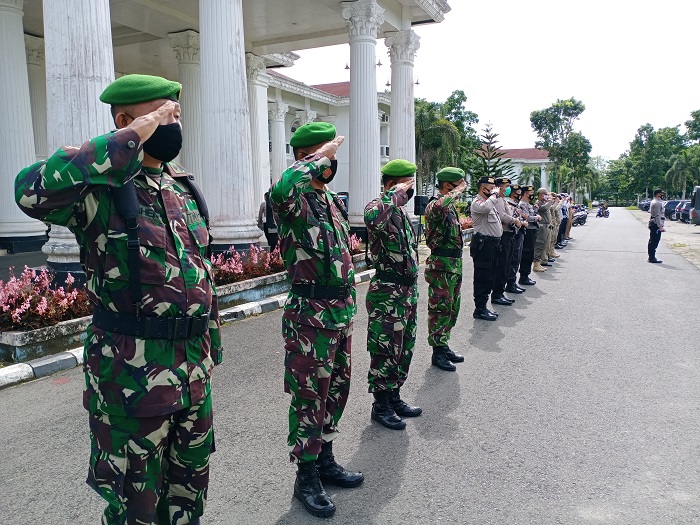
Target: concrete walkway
x: 579, y: 406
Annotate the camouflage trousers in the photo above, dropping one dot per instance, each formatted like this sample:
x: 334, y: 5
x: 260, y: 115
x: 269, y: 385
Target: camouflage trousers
x: 391, y: 333
x: 154, y: 469
x: 444, y: 298
x: 317, y: 375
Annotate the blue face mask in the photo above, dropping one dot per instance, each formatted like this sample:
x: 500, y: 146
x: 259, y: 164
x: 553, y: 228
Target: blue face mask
x: 507, y: 192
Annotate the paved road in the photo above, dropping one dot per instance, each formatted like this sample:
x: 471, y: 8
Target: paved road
x: 579, y: 406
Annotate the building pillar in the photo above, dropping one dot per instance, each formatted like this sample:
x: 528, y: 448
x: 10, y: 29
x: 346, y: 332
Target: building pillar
x: 227, y: 166
x: 37, y: 92
x: 186, y: 47
x: 544, y: 177
x: 258, y: 82
x: 277, y: 113
x: 402, y: 50
x: 75, y: 78
x: 17, y: 231
x: 363, y: 19
x: 306, y: 116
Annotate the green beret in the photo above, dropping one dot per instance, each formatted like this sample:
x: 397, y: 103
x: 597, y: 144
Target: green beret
x: 450, y: 174
x: 134, y: 89
x: 486, y: 180
x: 312, y: 134
x: 398, y: 168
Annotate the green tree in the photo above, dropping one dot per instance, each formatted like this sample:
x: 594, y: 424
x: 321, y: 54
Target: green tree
x: 530, y: 175
x: 489, y: 160
x: 693, y: 125
x: 650, y: 157
x: 683, y: 171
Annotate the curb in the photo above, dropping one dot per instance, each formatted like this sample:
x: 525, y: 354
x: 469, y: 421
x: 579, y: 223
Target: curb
x: 44, y: 366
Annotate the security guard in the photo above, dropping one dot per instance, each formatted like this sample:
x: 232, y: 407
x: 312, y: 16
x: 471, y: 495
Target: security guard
x: 154, y: 339
x: 485, y: 245
x: 392, y: 298
x: 511, y: 224
x: 443, y: 235
x: 317, y: 320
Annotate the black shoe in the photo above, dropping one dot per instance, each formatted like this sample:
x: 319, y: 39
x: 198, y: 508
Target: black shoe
x: 559, y: 246
x: 484, y: 314
x: 384, y: 414
x: 331, y: 473
x: 455, y: 358
x: 308, y: 490
x: 546, y: 263
x: 526, y: 281
x: 492, y: 312
x: 513, y: 288
x: 402, y: 408
x: 502, y: 300
x: 655, y: 261
x: 441, y: 360
x: 551, y: 259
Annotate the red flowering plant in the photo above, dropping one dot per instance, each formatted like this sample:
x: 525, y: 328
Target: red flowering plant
x: 466, y: 223
x: 30, y: 301
x: 232, y: 266
x: 354, y: 244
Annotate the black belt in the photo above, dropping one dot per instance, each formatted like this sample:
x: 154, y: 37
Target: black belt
x: 148, y: 327
x: 488, y: 238
x: 316, y: 291
x: 509, y: 234
x: 455, y: 253
x: 391, y: 277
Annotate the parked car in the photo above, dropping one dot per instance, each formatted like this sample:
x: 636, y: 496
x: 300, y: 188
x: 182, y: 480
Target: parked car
x: 670, y: 209
x: 644, y: 204
x: 676, y: 215
x: 685, y: 212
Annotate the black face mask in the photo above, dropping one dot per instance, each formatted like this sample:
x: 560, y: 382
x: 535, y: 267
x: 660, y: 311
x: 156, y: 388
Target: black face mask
x: 165, y: 143
x: 334, y: 170
x: 410, y: 193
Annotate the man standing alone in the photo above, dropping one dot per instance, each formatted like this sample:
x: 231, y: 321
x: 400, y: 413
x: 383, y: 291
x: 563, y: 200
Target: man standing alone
x: 656, y: 224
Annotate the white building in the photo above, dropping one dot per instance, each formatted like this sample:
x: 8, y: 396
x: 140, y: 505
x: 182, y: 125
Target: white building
x: 529, y: 157
x: 58, y: 56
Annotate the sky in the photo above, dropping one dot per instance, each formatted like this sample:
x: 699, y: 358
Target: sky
x: 631, y: 62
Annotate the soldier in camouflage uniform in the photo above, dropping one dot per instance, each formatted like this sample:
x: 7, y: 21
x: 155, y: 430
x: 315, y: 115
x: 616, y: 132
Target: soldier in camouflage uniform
x: 392, y: 298
x: 443, y: 235
x: 317, y: 319
x: 147, y: 369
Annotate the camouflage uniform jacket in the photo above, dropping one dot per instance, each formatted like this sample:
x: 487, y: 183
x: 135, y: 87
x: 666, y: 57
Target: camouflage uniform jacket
x: 126, y: 375
x: 314, y: 242
x: 443, y: 231
x: 393, y: 245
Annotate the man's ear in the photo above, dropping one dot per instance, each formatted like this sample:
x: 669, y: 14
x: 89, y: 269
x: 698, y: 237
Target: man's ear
x: 121, y: 120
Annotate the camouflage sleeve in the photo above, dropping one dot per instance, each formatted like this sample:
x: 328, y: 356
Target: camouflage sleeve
x: 49, y: 189
x: 215, y: 330
x: 378, y: 212
x: 295, y: 180
x: 439, y: 210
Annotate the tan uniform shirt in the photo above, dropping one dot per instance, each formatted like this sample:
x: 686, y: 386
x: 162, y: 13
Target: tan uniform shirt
x: 485, y: 216
x: 505, y: 212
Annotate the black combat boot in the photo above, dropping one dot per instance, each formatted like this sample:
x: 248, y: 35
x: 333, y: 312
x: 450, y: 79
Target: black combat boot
x: 383, y: 414
x: 402, y: 408
x: 441, y: 360
x: 452, y: 356
x: 331, y: 473
x: 308, y: 490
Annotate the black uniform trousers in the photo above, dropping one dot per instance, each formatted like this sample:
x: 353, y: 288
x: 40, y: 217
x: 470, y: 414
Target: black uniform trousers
x: 528, y: 253
x: 654, y: 238
x: 484, y: 252
x: 562, y: 230
x: 512, y: 270
x: 502, y: 265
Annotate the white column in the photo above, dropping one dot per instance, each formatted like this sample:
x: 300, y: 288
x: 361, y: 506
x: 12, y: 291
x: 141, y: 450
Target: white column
x: 227, y: 166
x: 76, y: 75
x: 186, y: 47
x: 544, y: 177
x: 16, y: 135
x: 37, y: 92
x: 277, y: 113
x: 402, y: 50
x: 363, y: 18
x: 306, y: 116
x: 258, y: 82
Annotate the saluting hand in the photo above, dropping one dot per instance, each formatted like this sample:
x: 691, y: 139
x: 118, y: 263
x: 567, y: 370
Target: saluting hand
x: 329, y: 148
x: 145, y: 125
x: 405, y: 186
x: 461, y: 187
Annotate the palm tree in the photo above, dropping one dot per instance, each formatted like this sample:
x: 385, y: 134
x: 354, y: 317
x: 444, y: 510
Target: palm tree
x: 681, y: 171
x: 437, y: 139
x: 530, y: 175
